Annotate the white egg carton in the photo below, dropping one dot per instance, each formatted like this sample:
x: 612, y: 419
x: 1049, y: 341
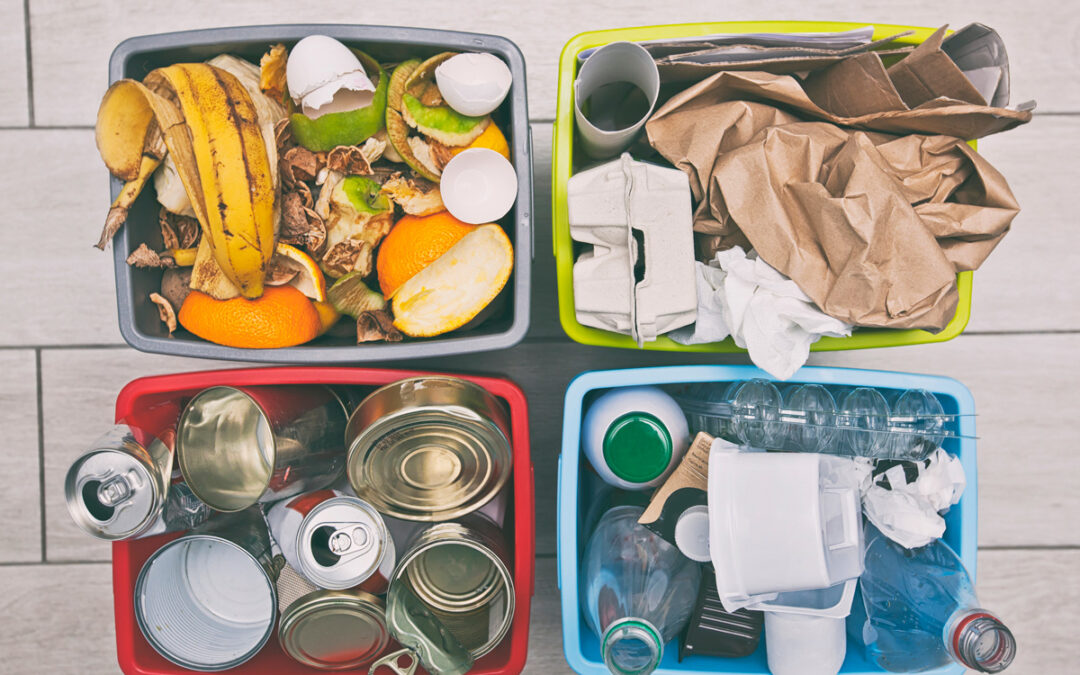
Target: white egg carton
x: 606, y: 205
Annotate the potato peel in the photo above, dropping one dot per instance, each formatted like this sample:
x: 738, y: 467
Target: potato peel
x: 165, y: 311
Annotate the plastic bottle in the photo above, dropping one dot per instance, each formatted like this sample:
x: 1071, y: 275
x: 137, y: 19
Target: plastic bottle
x: 919, y: 611
x: 634, y: 436
x: 638, y: 591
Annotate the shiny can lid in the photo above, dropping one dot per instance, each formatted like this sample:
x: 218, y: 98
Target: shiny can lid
x: 334, y: 630
x: 341, y: 542
x: 111, y: 494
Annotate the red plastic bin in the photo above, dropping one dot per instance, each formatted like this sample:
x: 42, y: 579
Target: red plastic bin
x: 135, y: 654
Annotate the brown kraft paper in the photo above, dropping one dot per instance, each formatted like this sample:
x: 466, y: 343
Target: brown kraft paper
x: 692, y: 472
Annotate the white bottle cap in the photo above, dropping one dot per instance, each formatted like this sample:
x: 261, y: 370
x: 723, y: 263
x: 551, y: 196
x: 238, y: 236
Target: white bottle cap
x: 692, y: 533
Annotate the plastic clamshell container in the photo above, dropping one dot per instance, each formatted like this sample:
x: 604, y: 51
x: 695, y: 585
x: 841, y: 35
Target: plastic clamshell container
x: 577, y: 489
x: 137, y: 657
x: 563, y: 166
x: 139, y: 322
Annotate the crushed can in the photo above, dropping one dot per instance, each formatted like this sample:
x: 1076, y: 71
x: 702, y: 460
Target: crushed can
x: 240, y: 446
x: 429, y: 448
x: 334, y: 540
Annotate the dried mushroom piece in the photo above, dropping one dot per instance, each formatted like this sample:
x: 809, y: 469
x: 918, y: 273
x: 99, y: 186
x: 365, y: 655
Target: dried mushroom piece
x: 348, y: 160
x: 178, y: 231
x: 144, y: 257
x: 300, y: 225
x: 348, y: 256
x: 165, y: 311
x: 283, y: 136
x: 300, y: 164
x: 415, y: 195
x: 272, y: 72
x: 354, y: 209
x: 375, y: 326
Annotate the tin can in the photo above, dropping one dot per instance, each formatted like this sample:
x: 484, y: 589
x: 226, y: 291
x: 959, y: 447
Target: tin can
x: 122, y: 488
x: 329, y: 629
x: 207, y: 601
x: 461, y: 573
x: 336, y: 541
x: 428, y: 448
x: 240, y: 446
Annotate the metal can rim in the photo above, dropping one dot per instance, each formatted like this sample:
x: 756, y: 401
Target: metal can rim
x: 502, y: 568
x: 71, y: 496
x: 302, y: 608
x: 181, y: 455
x: 140, y: 583
x: 312, y: 573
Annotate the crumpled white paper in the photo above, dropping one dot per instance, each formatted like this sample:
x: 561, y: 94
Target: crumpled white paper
x: 768, y: 314
x: 905, y: 500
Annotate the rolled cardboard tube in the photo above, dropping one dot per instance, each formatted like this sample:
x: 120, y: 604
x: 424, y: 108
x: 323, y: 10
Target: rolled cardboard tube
x: 615, y: 62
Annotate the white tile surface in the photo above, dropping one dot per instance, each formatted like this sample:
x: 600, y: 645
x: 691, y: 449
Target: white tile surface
x: 13, y: 90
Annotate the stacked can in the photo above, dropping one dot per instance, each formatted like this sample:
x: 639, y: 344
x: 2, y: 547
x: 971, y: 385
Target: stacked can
x: 427, y: 461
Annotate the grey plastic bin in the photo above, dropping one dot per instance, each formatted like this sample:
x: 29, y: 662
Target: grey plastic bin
x: 509, y: 318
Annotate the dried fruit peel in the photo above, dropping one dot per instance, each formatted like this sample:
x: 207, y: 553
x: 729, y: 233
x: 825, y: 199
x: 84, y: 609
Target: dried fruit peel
x: 396, y: 128
x: 449, y: 292
x: 442, y: 123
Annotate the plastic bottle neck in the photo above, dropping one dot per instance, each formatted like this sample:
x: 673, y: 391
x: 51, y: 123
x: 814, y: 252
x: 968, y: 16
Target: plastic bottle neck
x: 632, y: 647
x: 978, y: 640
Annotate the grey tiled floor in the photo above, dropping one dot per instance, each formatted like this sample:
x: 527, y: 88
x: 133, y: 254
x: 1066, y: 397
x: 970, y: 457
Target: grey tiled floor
x: 62, y: 360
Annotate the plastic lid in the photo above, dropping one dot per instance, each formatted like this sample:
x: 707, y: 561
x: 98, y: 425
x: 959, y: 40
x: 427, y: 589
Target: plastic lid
x: 637, y: 447
x: 692, y: 533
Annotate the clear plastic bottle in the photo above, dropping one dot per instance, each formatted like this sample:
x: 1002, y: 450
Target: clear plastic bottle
x: 919, y: 611
x: 638, y: 591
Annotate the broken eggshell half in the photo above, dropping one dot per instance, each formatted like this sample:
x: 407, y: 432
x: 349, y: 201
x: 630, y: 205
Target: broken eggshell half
x: 325, y: 76
x: 478, y: 186
x: 473, y: 84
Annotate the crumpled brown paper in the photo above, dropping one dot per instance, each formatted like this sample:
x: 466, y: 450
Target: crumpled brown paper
x: 873, y: 227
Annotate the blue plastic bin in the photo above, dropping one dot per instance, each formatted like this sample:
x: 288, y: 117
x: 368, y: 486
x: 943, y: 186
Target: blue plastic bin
x: 577, y: 483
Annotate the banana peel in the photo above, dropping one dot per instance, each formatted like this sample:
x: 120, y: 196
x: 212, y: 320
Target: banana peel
x: 207, y: 121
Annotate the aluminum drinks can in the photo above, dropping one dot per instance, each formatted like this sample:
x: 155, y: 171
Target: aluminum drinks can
x: 240, y: 446
x: 429, y: 448
x: 334, y: 540
x: 329, y: 629
x: 207, y: 601
x: 121, y: 488
x: 460, y: 571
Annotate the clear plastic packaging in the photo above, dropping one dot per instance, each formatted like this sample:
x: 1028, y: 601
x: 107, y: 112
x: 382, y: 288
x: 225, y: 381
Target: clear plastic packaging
x: 637, y: 591
x: 851, y: 421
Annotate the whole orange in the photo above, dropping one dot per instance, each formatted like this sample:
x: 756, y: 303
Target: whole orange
x: 281, y: 317
x: 414, y: 243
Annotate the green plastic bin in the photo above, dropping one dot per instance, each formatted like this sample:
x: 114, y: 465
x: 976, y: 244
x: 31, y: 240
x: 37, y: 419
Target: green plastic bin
x: 561, y: 169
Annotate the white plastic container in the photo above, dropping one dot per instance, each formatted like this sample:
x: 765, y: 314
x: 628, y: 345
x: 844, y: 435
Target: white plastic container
x: 782, y: 522
x: 634, y: 436
x: 798, y: 644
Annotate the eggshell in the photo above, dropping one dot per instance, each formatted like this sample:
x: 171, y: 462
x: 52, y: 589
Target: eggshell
x: 478, y: 186
x: 325, y: 76
x: 473, y: 84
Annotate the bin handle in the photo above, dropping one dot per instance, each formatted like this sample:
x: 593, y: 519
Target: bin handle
x: 850, y: 515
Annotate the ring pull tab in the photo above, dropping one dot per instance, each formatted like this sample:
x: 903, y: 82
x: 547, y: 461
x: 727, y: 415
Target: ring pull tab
x: 114, y: 491
x: 350, y: 539
x: 393, y: 662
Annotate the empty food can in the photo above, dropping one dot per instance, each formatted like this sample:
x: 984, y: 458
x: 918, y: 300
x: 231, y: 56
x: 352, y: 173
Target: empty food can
x: 329, y: 629
x: 334, y: 540
x: 428, y: 448
x: 121, y: 488
x: 240, y: 446
x: 207, y: 601
x: 461, y: 573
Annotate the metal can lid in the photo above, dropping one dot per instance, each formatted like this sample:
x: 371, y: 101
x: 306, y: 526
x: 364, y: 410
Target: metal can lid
x: 341, y: 542
x: 111, y: 494
x: 334, y: 629
x: 455, y: 576
x: 431, y: 463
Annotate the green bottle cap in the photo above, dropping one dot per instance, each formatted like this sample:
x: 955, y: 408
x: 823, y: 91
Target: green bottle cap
x: 637, y: 447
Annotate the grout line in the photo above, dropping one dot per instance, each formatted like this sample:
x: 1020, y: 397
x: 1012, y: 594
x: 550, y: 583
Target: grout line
x: 29, y: 63
x: 1032, y: 547
x: 54, y: 563
x: 41, y: 451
